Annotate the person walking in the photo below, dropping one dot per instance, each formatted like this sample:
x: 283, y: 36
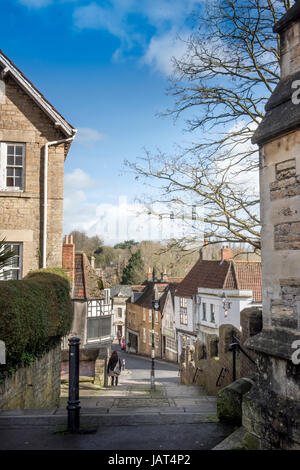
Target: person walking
x: 114, y: 367
x: 119, y: 336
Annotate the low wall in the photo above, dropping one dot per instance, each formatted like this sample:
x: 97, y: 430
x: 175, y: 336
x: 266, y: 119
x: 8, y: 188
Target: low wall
x: 201, y: 364
x: 92, y: 363
x: 35, y: 386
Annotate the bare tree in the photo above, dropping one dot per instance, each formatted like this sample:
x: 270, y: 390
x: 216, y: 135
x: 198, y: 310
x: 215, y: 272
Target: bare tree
x: 221, y: 85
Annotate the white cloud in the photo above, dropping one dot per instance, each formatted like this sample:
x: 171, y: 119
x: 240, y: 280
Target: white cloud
x: 162, y: 49
x: 123, y: 221
x: 78, y: 179
x: 86, y: 135
x: 116, y: 17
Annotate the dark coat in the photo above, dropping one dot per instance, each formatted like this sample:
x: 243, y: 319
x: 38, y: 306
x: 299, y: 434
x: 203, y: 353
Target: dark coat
x: 112, y: 363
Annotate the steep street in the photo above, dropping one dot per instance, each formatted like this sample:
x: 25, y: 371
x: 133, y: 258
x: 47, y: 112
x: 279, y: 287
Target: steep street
x: 129, y: 416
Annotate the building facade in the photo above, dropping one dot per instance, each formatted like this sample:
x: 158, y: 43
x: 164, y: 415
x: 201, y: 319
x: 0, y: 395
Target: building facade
x: 169, y: 338
x: 119, y: 295
x: 34, y: 142
x: 139, y: 321
x: 213, y: 294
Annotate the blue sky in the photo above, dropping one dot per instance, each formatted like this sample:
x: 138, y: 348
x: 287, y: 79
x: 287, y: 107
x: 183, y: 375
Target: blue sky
x: 104, y: 65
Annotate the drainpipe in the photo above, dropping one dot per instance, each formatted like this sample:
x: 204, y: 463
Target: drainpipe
x: 47, y: 145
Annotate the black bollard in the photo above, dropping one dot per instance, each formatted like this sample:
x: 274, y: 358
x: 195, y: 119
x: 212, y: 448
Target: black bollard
x: 73, y: 402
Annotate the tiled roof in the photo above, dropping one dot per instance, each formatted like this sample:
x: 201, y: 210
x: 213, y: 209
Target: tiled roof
x: 87, y: 283
x: 231, y: 275
x: 145, y: 300
x: 209, y: 274
x: 248, y: 275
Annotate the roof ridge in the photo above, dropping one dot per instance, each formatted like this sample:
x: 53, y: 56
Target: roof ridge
x: 15, y: 71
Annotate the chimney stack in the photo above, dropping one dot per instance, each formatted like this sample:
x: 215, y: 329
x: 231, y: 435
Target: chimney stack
x: 149, y: 277
x: 226, y: 254
x: 93, y: 261
x: 68, y: 257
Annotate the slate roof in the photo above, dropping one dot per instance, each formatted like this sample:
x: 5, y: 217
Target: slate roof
x: 121, y: 291
x: 231, y: 275
x: 87, y: 283
x: 145, y: 300
x: 35, y: 94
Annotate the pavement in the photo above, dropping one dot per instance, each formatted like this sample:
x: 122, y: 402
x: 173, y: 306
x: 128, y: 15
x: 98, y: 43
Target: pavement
x: 130, y: 416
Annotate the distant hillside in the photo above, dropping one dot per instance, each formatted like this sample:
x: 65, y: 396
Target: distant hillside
x: 175, y: 262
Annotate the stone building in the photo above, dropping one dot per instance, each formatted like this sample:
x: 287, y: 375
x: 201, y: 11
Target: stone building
x: 271, y: 410
x: 34, y: 142
x: 169, y: 338
x: 212, y: 294
x: 120, y: 294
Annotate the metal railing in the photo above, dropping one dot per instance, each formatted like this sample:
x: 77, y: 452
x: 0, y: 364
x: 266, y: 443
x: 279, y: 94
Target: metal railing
x: 234, y: 347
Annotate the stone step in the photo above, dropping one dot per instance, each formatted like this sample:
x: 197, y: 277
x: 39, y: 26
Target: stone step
x: 105, y: 417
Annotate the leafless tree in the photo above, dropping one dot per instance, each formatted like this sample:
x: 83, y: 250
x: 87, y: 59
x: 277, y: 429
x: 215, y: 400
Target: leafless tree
x: 220, y: 86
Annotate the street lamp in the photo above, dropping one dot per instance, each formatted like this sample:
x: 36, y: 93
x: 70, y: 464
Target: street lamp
x: 226, y: 304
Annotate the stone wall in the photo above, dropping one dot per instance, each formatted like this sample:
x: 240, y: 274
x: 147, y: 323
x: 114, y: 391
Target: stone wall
x: 37, y: 386
x: 21, y: 212
x: 201, y: 364
x: 251, y: 324
x: 92, y: 363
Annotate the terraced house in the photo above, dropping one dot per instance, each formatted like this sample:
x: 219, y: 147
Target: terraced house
x: 34, y: 142
x: 214, y: 293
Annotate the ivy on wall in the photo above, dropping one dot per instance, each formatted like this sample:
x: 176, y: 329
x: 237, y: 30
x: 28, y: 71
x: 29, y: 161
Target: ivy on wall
x: 34, y: 314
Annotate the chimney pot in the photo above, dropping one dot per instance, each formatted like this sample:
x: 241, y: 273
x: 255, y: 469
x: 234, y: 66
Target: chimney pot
x: 226, y: 254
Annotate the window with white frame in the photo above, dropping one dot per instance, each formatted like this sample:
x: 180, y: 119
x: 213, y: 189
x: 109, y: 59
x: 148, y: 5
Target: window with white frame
x: 204, y: 311
x: 212, y: 313
x: 150, y: 316
x: 183, y: 311
x: 106, y: 296
x: 144, y: 314
x: 119, y: 312
x: 98, y: 324
x: 144, y: 335
x: 13, y: 270
x: 12, y: 166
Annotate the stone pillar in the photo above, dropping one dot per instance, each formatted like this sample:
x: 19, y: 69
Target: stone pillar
x: 271, y: 410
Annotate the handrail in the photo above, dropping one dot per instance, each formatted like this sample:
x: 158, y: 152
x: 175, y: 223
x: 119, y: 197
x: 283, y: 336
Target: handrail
x: 220, y: 375
x: 238, y: 346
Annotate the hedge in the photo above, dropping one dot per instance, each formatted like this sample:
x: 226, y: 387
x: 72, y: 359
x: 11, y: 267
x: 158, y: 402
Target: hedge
x: 34, y: 314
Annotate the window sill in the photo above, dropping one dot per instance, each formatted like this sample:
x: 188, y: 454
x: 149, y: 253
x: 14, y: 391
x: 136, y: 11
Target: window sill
x: 24, y: 194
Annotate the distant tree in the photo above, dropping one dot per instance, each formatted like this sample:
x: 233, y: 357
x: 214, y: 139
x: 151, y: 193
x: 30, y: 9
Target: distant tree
x: 134, y: 271
x: 90, y: 245
x: 126, y: 245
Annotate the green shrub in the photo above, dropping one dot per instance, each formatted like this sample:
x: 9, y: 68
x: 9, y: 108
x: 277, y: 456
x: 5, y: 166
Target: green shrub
x: 34, y: 314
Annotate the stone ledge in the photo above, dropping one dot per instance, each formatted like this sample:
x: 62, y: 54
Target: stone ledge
x: 274, y: 342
